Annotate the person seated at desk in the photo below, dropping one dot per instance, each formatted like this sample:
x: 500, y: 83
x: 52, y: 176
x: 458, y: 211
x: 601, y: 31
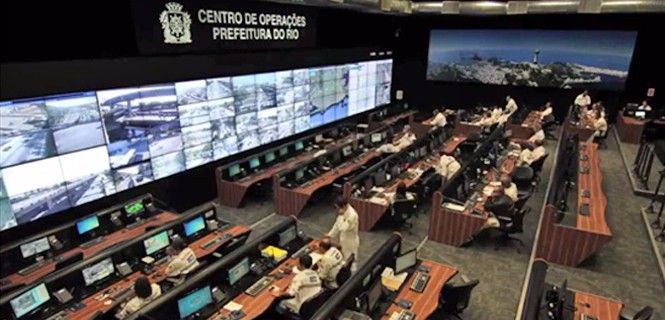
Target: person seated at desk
x: 509, y: 188
x: 498, y: 204
x: 145, y: 292
x: 447, y: 167
x: 644, y: 106
x: 332, y: 260
x: 439, y: 119
x: 304, y: 286
x: 184, y: 259
x: 511, y: 105
x: 547, y: 110
x: 538, y: 136
x: 600, y: 125
x: 400, y: 193
x: 497, y: 113
x: 532, y: 153
x: 598, y: 106
x: 487, y: 120
x: 407, y: 138
x: 583, y: 100
x: 346, y: 227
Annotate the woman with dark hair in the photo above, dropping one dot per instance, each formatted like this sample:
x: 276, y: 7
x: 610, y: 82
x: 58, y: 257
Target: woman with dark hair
x: 401, y: 193
x: 145, y: 292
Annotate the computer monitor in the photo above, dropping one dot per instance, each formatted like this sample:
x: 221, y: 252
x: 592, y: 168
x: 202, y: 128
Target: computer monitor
x: 640, y: 114
x: 346, y: 151
x: 29, y: 301
x: 405, y: 261
x: 87, y: 224
x: 270, y: 157
x: 98, y: 271
x: 238, y: 271
x: 299, y: 146
x: 287, y: 236
x: 234, y: 170
x: 380, y: 179
x: 194, y: 302
x: 35, y: 247
x: 134, y: 208
x: 375, y: 137
x: 283, y: 151
x: 156, y: 242
x: 300, y: 173
x: 194, y: 226
x: 374, y: 294
x: 254, y: 163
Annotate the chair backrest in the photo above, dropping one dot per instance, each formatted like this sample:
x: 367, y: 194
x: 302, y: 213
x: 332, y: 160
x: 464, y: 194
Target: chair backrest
x: 644, y: 314
x: 522, y: 199
x: 404, y: 207
x: 522, y: 176
x: 343, y: 275
x: 455, y: 298
x: 538, y: 164
x: 518, y: 222
x: 309, y: 307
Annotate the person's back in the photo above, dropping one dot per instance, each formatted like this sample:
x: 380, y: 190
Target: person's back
x: 500, y: 205
x: 330, y: 264
x: 185, y: 260
x: 145, y: 293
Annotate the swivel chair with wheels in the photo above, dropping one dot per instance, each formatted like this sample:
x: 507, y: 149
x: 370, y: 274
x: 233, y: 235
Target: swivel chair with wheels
x: 645, y: 314
x: 455, y: 298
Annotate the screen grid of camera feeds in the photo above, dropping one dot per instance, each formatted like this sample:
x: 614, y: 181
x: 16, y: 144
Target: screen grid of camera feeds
x: 58, y: 152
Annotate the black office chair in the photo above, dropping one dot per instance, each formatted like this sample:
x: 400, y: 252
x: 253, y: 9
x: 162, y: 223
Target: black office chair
x: 343, y: 275
x: 401, y: 211
x: 645, y: 314
x: 455, y: 298
x: 509, y: 225
x: 549, y: 127
x: 310, y: 307
x: 523, y: 178
x: 538, y: 167
x: 600, y: 140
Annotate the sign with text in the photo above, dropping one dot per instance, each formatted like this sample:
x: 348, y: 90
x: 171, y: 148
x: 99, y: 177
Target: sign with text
x: 208, y: 26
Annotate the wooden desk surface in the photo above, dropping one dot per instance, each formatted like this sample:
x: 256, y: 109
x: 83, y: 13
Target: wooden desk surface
x: 103, y: 302
x: 593, y: 182
x: 599, y: 307
x: 255, y: 306
x: 109, y: 241
x: 631, y: 120
x: 451, y: 144
x: 425, y: 303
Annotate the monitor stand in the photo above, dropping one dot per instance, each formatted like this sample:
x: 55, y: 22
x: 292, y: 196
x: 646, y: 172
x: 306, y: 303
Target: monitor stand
x: 91, y: 243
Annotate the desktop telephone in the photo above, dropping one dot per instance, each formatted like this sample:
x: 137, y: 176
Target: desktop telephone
x: 219, y: 295
x: 259, y: 267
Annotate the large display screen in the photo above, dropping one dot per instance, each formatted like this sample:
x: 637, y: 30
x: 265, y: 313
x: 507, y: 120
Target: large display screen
x: 59, y: 152
x: 536, y: 58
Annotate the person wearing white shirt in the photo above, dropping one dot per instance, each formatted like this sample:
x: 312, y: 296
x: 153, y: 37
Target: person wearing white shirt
x: 546, y: 111
x: 404, y: 141
x: 509, y: 188
x: 487, y: 120
x: 600, y: 125
x: 184, y: 259
x: 332, y: 260
x: 583, y: 99
x: 447, y: 166
x: 528, y: 156
x: 538, y: 136
x: 511, y: 105
x: 304, y: 286
x: 346, y: 228
x: 644, y: 106
x: 145, y: 293
x: 439, y: 119
x: 496, y: 113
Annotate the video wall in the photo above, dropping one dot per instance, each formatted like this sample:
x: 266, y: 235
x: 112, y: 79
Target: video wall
x: 58, y: 152
x: 537, y: 58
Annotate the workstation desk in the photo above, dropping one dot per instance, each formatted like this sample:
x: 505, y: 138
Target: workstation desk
x: 630, y: 129
x: 527, y: 128
x: 571, y: 240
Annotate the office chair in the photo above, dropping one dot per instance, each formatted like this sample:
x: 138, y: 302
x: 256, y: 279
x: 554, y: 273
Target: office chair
x: 509, y: 225
x: 538, y: 167
x: 600, y: 140
x: 549, y: 126
x: 455, y: 298
x: 644, y: 314
x: 523, y: 177
x: 343, y: 275
x: 309, y: 308
x: 401, y: 211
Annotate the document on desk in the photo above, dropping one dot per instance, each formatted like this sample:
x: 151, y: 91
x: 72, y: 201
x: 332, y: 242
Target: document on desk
x: 392, y: 282
x: 315, y: 257
x: 453, y: 206
x: 233, y: 306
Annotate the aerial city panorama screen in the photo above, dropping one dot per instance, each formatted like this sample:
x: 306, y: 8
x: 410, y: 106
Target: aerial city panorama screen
x: 536, y: 58
x: 59, y: 152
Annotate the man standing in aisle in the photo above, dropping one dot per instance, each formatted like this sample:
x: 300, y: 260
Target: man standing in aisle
x: 583, y: 100
x: 346, y: 227
x: 511, y: 105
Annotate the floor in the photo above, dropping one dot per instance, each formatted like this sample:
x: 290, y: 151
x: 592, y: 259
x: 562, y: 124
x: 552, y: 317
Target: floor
x: 625, y: 269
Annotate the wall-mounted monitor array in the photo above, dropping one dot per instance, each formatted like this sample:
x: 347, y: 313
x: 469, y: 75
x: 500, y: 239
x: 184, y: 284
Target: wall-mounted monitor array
x: 58, y: 152
x: 535, y: 58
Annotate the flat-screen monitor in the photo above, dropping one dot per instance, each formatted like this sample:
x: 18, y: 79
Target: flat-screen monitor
x: 299, y: 145
x: 135, y: 208
x: 35, y: 247
x: 346, y: 151
x: 405, y: 261
x: 270, y: 157
x: 254, y: 163
x: 156, y: 242
x: 234, y: 170
x: 300, y: 173
x: 87, y: 224
x: 375, y: 137
x: 30, y: 300
x: 98, y: 271
x: 238, y: 271
x: 380, y: 179
x: 287, y: 236
x: 640, y: 114
x: 283, y: 151
x: 193, y: 226
x: 194, y: 301
x: 374, y: 294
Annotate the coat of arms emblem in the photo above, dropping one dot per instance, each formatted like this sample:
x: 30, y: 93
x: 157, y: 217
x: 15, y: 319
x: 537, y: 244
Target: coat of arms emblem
x: 176, y: 24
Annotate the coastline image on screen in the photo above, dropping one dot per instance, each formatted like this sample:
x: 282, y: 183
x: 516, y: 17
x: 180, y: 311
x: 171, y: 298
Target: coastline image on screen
x: 537, y: 58
x: 61, y: 151
x: 30, y: 300
x: 156, y: 242
x: 98, y: 271
x: 35, y: 247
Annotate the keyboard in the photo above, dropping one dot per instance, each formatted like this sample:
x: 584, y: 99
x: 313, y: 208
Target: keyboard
x: 403, y: 315
x: 420, y: 281
x: 91, y: 243
x: 62, y: 315
x: 31, y: 268
x: 122, y: 295
x: 211, y: 243
x: 259, y: 286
